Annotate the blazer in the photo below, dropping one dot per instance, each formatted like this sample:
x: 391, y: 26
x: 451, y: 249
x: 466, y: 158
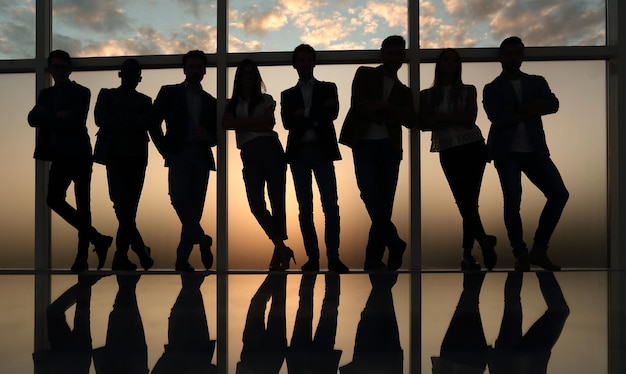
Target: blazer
x: 499, y: 98
x: 320, y: 119
x: 367, y: 86
x: 123, y: 118
x: 170, y: 106
x: 65, y: 138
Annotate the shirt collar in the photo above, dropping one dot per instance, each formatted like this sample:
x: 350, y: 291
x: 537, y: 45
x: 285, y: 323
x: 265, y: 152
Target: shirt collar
x: 308, y: 83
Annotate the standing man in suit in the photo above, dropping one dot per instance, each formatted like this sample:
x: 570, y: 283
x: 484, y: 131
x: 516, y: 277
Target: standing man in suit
x: 515, y: 103
x: 308, y: 110
x: 190, y: 120
x: 123, y: 114
x: 61, y: 116
x: 380, y: 106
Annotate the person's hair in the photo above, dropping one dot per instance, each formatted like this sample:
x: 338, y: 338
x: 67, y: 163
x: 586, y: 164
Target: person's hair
x: 194, y: 54
x: 393, y: 40
x: 456, y: 88
x: 257, y: 91
x: 302, y: 48
x: 511, y: 40
x: 60, y: 54
x: 130, y: 65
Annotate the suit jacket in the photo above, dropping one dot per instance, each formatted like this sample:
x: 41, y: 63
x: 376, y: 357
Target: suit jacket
x: 171, y: 105
x: 368, y: 85
x: 61, y: 138
x: 123, y: 118
x: 499, y: 100
x: 320, y: 119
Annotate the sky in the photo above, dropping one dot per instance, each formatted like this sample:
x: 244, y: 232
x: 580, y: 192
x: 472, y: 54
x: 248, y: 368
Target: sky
x: 577, y: 138
x: 118, y: 27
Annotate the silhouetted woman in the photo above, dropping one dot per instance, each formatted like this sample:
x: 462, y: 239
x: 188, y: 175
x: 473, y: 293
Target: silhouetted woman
x: 250, y: 112
x: 449, y: 109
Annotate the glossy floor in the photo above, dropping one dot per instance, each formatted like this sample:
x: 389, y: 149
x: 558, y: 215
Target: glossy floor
x: 279, y: 323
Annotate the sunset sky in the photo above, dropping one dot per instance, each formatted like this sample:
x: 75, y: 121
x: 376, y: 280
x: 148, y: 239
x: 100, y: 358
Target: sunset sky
x: 576, y: 135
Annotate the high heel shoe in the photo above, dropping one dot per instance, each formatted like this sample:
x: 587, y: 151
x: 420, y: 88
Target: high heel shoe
x: 144, y: 256
x: 102, y: 248
x: 281, y: 258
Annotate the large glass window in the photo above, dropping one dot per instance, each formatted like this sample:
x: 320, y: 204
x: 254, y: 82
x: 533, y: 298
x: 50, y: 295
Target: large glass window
x: 18, y: 167
x: 143, y: 27
x: 576, y: 137
x: 480, y: 23
x: 17, y: 29
x: 280, y: 25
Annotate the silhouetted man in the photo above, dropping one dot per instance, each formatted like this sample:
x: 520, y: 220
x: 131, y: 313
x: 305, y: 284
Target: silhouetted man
x: 515, y: 102
x: 381, y: 105
x: 190, y: 116
x: 122, y: 145
x: 308, y: 110
x: 61, y: 115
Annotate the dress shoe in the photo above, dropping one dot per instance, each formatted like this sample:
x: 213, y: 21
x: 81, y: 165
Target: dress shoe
x: 335, y: 264
x: 183, y: 266
x: 122, y: 263
x: 144, y: 256
x: 395, y: 255
x: 80, y: 264
x: 205, y: 251
x: 521, y: 262
x: 311, y: 265
x: 540, y: 258
x: 469, y: 263
x: 101, y: 248
x: 487, y: 245
x: 375, y: 266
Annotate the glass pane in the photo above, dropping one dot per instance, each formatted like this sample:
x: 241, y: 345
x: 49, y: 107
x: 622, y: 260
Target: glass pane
x: 577, y: 142
x: 126, y: 28
x: 17, y: 226
x: 17, y: 295
x: 249, y: 247
x: 17, y: 29
x: 156, y: 220
x: 486, y: 23
x: 279, y: 25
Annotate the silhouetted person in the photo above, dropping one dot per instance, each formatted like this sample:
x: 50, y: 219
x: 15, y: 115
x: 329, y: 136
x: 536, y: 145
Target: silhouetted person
x: 380, y: 106
x: 377, y: 343
x: 517, y: 353
x: 315, y: 354
x: 308, y: 110
x: 70, y: 347
x: 449, y: 110
x: 515, y: 102
x: 125, y: 351
x: 123, y: 114
x: 190, y: 120
x: 190, y: 348
x: 464, y: 347
x: 265, y: 342
x: 60, y: 116
x: 250, y: 112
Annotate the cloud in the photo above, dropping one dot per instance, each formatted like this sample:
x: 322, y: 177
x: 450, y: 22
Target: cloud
x: 17, y: 34
x: 258, y: 21
x: 101, y: 16
x: 197, y: 7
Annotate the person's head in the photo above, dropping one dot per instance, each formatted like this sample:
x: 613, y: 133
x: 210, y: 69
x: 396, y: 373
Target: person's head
x: 130, y: 73
x: 448, y: 67
x: 60, y: 66
x: 248, y: 78
x: 511, y: 54
x: 194, y: 66
x: 392, y: 53
x: 303, y: 60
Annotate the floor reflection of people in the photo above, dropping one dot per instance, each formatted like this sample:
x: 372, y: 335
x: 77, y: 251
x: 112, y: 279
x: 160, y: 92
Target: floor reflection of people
x: 464, y: 347
x: 70, y: 349
x: 528, y: 353
x: 125, y: 351
x: 265, y: 343
x: 315, y: 354
x: 377, y: 344
x: 190, y: 348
